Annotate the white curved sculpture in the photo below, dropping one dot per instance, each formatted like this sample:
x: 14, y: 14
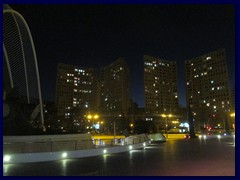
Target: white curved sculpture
x: 20, y: 58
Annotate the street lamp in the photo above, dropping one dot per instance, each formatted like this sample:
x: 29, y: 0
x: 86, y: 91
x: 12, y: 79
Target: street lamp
x: 166, y: 116
x: 233, y: 123
x: 94, y: 117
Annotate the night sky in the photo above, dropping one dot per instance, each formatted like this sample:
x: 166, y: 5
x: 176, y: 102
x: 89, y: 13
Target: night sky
x: 96, y: 35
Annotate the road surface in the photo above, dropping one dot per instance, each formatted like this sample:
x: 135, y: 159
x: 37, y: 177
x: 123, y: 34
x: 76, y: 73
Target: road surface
x: 194, y: 157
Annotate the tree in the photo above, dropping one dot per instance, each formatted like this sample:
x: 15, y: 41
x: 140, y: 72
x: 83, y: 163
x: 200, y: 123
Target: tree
x: 191, y: 121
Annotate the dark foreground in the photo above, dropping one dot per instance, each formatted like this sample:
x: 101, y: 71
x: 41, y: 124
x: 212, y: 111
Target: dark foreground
x: 193, y: 157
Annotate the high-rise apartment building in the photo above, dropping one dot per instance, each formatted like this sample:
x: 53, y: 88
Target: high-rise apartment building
x: 160, y: 85
x: 81, y: 91
x: 233, y: 99
x: 207, y: 89
x: 76, y: 93
x: 115, y: 89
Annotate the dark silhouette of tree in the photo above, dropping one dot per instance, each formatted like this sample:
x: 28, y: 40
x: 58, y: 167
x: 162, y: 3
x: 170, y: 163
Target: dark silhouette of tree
x: 191, y: 122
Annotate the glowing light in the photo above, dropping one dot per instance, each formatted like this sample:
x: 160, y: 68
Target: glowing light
x: 89, y: 116
x: 104, y: 151
x: 200, y: 136
x: 219, y: 136
x: 96, y: 116
x: 6, y: 158
x: 232, y: 115
x: 144, y: 144
x: 204, y: 136
x: 130, y: 147
x: 64, y: 155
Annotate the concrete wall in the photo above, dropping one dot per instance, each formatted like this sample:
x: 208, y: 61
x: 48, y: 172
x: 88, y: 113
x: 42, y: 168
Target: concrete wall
x: 39, y: 150
x: 46, y: 143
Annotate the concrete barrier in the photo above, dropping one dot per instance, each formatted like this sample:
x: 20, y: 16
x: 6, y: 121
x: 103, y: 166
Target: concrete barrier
x: 22, y: 150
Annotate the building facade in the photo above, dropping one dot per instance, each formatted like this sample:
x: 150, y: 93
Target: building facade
x: 207, y: 89
x: 160, y: 87
x: 115, y: 89
x: 76, y: 94
x: 82, y: 91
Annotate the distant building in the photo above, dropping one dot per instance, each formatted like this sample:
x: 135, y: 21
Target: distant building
x: 115, y: 89
x: 233, y: 99
x: 76, y: 93
x: 160, y: 85
x: 160, y: 89
x: 81, y: 91
x: 207, y: 89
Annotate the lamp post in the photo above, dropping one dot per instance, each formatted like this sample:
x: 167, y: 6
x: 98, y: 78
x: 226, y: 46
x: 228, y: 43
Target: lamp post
x: 233, y: 122
x: 166, y: 116
x: 92, y: 117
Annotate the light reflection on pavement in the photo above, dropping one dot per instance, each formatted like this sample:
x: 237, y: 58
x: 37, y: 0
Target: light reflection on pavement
x: 212, y: 156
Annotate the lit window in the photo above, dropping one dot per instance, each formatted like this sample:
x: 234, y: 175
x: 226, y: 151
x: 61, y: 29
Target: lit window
x: 213, y: 89
x: 212, y: 82
x: 192, y: 64
x: 214, y: 107
x: 198, y: 92
x: 208, y: 104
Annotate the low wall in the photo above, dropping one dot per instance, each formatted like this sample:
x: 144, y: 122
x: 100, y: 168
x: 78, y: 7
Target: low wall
x: 57, y: 147
x: 158, y: 137
x: 46, y: 143
x: 174, y: 136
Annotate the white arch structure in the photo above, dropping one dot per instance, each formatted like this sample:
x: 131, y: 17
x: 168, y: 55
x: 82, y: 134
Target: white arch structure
x: 16, y: 16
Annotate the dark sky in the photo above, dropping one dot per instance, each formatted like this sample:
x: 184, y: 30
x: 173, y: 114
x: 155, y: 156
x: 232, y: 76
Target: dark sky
x: 96, y: 35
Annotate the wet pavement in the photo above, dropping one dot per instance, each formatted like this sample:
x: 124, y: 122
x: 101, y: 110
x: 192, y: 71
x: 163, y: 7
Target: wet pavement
x: 194, y: 157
